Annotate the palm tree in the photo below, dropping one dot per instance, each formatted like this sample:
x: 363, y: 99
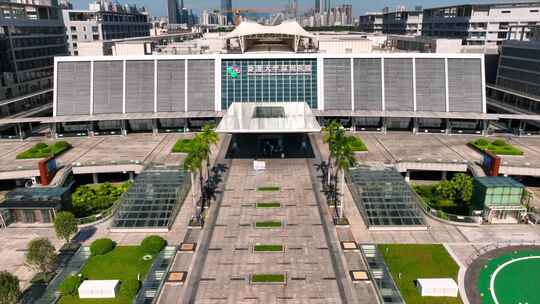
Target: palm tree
x: 194, y: 163
x: 332, y: 131
x: 210, y: 138
x: 343, y: 160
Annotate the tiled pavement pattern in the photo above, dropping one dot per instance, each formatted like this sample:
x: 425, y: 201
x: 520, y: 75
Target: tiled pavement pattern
x: 230, y: 261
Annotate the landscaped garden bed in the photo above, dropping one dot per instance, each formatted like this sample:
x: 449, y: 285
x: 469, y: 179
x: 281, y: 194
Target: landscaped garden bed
x: 268, y: 189
x: 408, y: 262
x: 128, y: 264
x: 453, y: 196
x: 91, y: 200
x: 498, y: 147
x: 43, y: 150
x: 268, y: 224
x: 268, y: 278
x: 182, y: 146
x: 263, y: 205
x: 357, y: 144
x: 268, y: 248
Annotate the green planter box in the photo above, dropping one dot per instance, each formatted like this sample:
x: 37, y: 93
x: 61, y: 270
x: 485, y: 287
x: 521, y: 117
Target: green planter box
x: 268, y: 224
x: 268, y: 279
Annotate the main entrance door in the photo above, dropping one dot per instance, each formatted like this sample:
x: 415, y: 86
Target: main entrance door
x: 270, y: 145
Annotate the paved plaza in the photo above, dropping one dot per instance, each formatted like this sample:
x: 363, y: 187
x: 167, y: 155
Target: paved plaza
x: 230, y: 259
x: 316, y: 268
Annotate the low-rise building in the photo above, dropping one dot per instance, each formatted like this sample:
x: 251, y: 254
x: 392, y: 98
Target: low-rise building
x: 371, y: 23
x: 403, y: 23
x: 482, y: 24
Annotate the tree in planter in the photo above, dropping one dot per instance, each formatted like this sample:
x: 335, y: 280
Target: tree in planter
x: 40, y: 255
x: 331, y: 133
x: 9, y: 288
x: 65, y: 225
x: 343, y: 160
x: 210, y: 138
x: 459, y: 190
x: 194, y: 163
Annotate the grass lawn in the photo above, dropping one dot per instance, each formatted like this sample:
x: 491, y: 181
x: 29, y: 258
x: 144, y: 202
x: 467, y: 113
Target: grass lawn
x: 124, y: 262
x: 268, y: 224
x: 357, y: 144
x: 273, y: 204
x: 498, y: 146
x: 43, y: 150
x: 182, y: 146
x: 268, y: 278
x: 419, y: 261
x: 268, y: 248
x: 268, y: 189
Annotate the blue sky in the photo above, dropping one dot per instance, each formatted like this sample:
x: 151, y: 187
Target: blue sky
x: 158, y: 7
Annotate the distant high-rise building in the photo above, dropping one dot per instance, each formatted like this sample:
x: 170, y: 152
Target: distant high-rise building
x: 226, y: 9
x: 172, y: 9
x: 322, y: 6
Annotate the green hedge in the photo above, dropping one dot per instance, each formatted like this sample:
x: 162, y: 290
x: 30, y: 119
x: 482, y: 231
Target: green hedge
x: 498, y: 147
x: 88, y: 200
x: 268, y: 248
x: 129, y: 288
x: 42, y: 150
x: 268, y: 224
x: 70, y: 285
x: 268, y: 278
x: 268, y: 189
x: 153, y: 244
x: 101, y: 247
x: 273, y: 204
x: 182, y: 146
x: 357, y: 144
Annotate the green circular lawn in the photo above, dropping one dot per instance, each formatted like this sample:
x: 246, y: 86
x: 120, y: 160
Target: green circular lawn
x: 511, y: 279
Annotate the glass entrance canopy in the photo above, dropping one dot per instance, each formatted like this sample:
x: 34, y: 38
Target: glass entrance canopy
x: 385, y: 199
x: 269, y: 117
x: 153, y: 201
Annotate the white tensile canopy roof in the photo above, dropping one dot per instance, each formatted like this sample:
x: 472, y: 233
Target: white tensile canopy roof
x: 248, y: 28
x: 269, y: 117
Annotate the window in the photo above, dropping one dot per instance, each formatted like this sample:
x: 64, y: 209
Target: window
x: 533, y: 11
x: 95, y: 29
x: 506, y: 12
x: 74, y: 37
x: 73, y: 28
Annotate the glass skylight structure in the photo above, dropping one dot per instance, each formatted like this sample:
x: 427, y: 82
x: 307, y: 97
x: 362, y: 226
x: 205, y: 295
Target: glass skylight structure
x: 384, y: 199
x: 153, y: 201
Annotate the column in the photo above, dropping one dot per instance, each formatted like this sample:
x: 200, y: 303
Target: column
x: 95, y: 178
x: 124, y: 130
x: 415, y: 126
x: 131, y: 176
x: 444, y: 175
x: 154, y: 127
x: 408, y: 176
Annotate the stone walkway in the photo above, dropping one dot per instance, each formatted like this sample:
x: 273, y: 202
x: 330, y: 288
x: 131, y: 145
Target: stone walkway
x: 230, y: 260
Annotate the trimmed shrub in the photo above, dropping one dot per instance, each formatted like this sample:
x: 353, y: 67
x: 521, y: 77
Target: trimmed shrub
x: 70, y: 285
x: 101, y: 246
x: 40, y: 146
x: 153, y: 244
x: 500, y: 143
x: 482, y: 142
x: 9, y: 288
x: 129, y: 288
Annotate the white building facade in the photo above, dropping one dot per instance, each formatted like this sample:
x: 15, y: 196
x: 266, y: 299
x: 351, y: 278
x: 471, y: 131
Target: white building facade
x: 482, y: 24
